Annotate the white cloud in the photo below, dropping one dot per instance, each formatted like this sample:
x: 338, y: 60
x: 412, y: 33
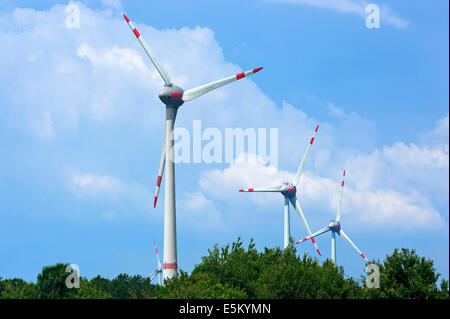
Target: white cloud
x: 391, y: 209
x: 348, y: 124
x: 86, y: 78
x: 80, y: 75
x: 94, y: 185
x: 200, y: 213
x: 115, y: 4
x: 112, y: 194
x: 405, y: 168
x: 352, y: 7
x: 44, y: 127
x: 441, y: 127
x: 253, y: 172
x: 366, y: 206
x: 415, y: 157
x: 198, y: 202
x: 126, y: 59
x: 437, y: 137
x: 394, y: 186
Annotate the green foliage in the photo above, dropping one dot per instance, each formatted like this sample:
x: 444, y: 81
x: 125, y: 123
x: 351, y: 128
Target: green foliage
x: 88, y: 290
x: 275, y: 273
x: 406, y: 275
x: 295, y: 277
x: 443, y: 292
x: 238, y: 272
x: 235, y: 268
x: 17, y: 289
x: 51, y: 283
x: 126, y: 287
x: 198, y: 286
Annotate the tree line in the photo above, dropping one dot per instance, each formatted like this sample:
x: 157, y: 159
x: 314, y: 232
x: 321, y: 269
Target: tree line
x: 235, y: 271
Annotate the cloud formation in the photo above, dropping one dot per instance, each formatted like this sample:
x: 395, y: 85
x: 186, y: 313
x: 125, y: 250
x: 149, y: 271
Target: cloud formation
x: 113, y: 196
x: 97, y: 90
x: 391, y: 187
x: 352, y: 7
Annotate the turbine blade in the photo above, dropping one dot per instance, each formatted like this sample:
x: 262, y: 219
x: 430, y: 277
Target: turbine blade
x: 302, y: 164
x: 262, y: 189
x: 153, y: 275
x: 157, y: 255
x: 158, y: 66
x: 162, y: 164
x: 296, y: 204
x: 344, y: 236
x: 287, y: 228
x: 317, y: 233
x: 338, y: 214
x: 194, y: 93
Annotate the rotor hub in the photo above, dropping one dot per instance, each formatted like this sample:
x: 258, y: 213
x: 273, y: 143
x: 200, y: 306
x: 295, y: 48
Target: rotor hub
x: 334, y: 226
x: 289, y: 190
x: 172, y: 96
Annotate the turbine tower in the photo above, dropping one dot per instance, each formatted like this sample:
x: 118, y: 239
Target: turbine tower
x: 335, y: 227
x: 158, y: 271
x: 289, y: 191
x: 173, y: 97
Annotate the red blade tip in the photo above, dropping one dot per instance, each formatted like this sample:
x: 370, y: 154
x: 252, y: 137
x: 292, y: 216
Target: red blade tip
x: 126, y: 18
x: 154, y: 203
x: 344, y: 173
x: 158, y: 181
x: 257, y: 70
x: 317, y: 127
x: 319, y: 252
x: 297, y: 242
x: 241, y: 190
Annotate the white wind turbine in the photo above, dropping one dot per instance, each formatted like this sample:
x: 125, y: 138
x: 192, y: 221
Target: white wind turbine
x: 158, y: 271
x: 289, y: 190
x: 173, y: 97
x: 335, y: 227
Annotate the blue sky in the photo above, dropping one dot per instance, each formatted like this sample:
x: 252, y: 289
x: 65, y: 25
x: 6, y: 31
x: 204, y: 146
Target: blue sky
x: 81, y: 128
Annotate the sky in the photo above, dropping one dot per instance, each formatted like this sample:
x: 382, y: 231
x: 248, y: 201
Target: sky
x: 81, y: 129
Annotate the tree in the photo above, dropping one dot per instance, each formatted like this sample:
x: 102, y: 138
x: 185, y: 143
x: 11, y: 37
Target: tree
x: 273, y: 273
x: 443, y: 293
x: 294, y: 277
x: 102, y: 284
x: 51, y: 283
x: 233, y: 271
x: 126, y: 287
x: 406, y: 275
x: 198, y: 286
x: 236, y: 267
x: 88, y: 290
x: 17, y: 289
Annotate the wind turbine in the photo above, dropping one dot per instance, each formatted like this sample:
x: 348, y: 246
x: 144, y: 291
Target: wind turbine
x: 173, y: 97
x: 335, y: 227
x: 158, y: 271
x: 289, y: 190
